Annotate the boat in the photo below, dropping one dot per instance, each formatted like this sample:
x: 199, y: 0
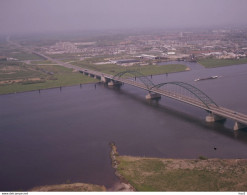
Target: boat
x: 207, y: 78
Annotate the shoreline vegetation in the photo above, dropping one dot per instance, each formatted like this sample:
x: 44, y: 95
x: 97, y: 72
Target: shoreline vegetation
x: 15, y: 78
x: 75, y: 187
x: 21, y: 76
x: 202, y: 174
x: 214, y: 63
x: 124, y: 185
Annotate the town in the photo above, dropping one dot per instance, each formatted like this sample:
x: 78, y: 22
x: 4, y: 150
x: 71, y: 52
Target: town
x: 147, y: 49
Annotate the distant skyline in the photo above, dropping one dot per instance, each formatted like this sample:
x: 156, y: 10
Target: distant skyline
x: 20, y: 16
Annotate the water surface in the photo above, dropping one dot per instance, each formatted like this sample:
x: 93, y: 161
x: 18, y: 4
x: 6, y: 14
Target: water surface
x: 62, y: 136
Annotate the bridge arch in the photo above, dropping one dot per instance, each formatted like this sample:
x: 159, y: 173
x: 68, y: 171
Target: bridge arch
x: 204, y: 98
x: 145, y: 80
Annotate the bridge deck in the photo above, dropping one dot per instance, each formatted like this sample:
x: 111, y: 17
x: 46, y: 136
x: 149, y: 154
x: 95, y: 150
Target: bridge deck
x: 217, y: 110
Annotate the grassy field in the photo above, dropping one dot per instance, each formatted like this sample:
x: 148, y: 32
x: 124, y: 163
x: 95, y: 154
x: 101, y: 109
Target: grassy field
x: 16, y: 70
x: 16, y: 76
x: 213, y: 63
x: 10, y: 52
x: 145, y: 70
x: 20, y: 78
x: 68, y: 56
x: 75, y: 187
x: 20, y: 55
x: 151, y: 174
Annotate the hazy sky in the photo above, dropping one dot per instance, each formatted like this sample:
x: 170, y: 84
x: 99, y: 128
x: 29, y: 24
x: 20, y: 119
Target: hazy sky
x: 59, y: 15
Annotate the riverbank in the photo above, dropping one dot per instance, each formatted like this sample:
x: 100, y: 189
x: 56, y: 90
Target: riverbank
x: 15, y: 79
x: 75, y: 187
x: 123, y: 185
x: 214, y: 63
x: 146, y: 70
x: 156, y: 174
x: 24, y: 78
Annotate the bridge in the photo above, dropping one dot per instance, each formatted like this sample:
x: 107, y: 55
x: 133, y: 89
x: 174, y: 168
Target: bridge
x: 194, y: 96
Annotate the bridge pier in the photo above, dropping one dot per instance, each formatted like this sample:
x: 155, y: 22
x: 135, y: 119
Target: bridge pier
x: 213, y: 118
x: 103, y: 79
x: 83, y: 72
x: 238, y: 126
x: 111, y: 83
x: 114, y: 83
x: 97, y: 77
x: 153, y: 96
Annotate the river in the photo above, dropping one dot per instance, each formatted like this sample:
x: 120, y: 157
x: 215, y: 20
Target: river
x: 61, y: 136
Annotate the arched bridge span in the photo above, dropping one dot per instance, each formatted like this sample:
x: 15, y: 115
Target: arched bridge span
x: 204, y: 98
x: 145, y: 80
x: 200, y: 95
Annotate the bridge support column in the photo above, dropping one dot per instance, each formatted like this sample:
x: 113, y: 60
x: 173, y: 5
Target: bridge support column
x: 84, y: 73
x: 114, y: 83
x: 153, y: 96
x: 213, y: 118
x: 103, y: 79
x: 111, y: 83
x: 238, y: 126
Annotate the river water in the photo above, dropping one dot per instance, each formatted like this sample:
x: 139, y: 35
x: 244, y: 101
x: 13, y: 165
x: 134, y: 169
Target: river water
x: 62, y: 136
